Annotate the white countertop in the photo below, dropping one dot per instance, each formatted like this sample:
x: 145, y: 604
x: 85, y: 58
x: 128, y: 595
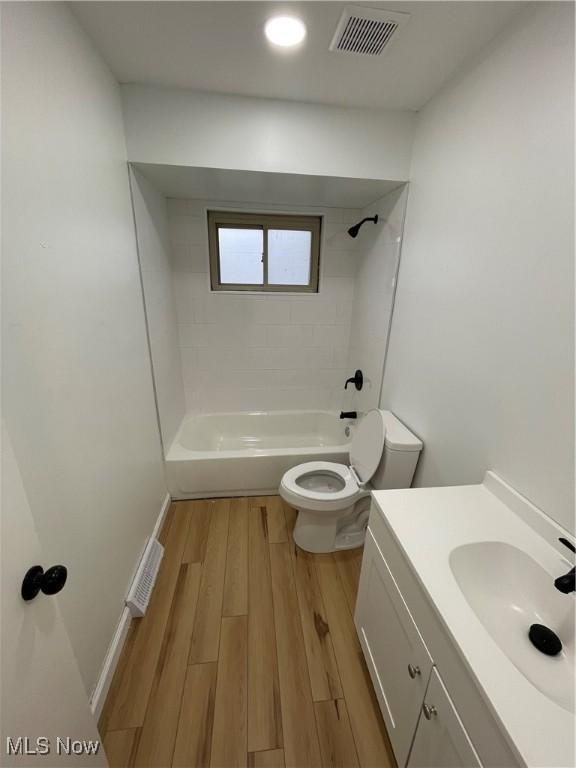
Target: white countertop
x: 428, y: 523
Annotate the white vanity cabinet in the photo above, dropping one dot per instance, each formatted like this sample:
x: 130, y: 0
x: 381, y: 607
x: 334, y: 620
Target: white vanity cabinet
x: 441, y: 740
x: 439, y: 576
x: 422, y: 723
x: 396, y: 655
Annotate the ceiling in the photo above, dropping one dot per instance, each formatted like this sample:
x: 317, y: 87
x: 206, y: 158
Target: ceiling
x: 220, y: 46
x: 259, y: 187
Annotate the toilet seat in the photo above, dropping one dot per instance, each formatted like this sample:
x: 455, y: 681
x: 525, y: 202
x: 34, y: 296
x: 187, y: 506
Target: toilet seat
x: 320, y: 500
x: 365, y: 454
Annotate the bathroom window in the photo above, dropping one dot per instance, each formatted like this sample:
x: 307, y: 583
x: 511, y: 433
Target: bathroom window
x: 261, y: 252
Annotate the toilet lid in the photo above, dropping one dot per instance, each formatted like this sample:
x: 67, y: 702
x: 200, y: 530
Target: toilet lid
x: 367, y: 445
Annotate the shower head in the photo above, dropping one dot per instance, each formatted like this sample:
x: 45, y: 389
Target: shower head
x: 353, y: 231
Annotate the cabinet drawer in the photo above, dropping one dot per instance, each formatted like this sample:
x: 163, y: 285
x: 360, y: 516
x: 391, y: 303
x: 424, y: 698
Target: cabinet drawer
x: 396, y: 655
x: 441, y: 740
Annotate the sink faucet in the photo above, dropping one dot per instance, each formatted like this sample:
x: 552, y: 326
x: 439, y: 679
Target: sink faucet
x: 566, y: 583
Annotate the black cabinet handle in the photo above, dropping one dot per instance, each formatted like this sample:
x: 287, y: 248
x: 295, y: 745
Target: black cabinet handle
x: 38, y: 580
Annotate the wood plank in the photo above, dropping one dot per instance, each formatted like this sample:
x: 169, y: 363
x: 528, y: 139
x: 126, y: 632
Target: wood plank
x: 315, y: 641
x: 271, y: 758
x: 264, y: 717
x: 206, y: 632
x: 229, y: 736
x: 301, y: 746
x: 163, y: 535
x: 366, y: 722
x: 349, y: 564
x: 336, y: 740
x: 129, y: 695
x: 120, y: 747
x: 200, y: 514
x: 194, y: 736
x: 156, y: 745
x: 276, y: 520
x: 235, y: 602
x: 324, y: 677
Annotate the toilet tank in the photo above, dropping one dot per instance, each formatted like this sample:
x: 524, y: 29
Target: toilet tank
x: 399, y: 458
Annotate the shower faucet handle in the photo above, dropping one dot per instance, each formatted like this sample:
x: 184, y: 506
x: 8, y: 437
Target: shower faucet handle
x: 357, y: 380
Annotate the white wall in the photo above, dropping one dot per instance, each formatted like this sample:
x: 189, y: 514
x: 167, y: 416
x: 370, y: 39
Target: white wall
x: 481, y: 355
x: 179, y: 127
x: 77, y: 389
x: 151, y: 216
x: 259, y: 352
x: 378, y: 257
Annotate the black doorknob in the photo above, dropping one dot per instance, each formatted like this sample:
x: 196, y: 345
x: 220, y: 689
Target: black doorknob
x: 37, y: 579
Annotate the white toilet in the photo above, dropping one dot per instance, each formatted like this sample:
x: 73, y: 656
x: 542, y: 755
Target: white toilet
x: 333, y: 500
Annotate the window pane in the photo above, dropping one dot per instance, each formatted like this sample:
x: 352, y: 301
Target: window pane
x: 241, y: 256
x: 289, y: 256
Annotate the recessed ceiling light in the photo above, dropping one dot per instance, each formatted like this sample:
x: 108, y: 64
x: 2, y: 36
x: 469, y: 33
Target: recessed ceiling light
x: 285, y: 31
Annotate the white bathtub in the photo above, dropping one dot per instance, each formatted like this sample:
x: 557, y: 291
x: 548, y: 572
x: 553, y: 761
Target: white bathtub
x: 228, y: 454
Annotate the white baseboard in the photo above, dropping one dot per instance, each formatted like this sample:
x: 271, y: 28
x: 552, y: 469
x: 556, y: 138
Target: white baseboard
x: 115, y: 649
x: 161, y: 517
x: 110, y: 662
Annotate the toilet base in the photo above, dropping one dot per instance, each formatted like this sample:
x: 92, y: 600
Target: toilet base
x: 321, y: 533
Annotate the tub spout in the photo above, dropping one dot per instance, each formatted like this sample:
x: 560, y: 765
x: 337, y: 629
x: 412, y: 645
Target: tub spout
x: 348, y: 415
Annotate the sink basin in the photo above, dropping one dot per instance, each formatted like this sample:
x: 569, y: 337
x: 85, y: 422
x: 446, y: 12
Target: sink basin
x: 508, y: 591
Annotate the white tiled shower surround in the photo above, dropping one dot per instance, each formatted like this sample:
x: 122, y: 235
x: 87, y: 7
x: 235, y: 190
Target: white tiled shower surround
x: 150, y: 213
x: 256, y: 351
x: 378, y: 258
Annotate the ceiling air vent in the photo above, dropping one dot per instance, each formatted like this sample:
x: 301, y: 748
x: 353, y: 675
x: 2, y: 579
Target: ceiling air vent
x: 365, y: 31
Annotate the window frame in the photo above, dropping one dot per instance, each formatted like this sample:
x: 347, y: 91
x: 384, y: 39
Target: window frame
x: 265, y: 222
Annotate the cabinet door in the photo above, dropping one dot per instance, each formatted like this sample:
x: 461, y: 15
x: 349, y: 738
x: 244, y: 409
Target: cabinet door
x: 397, y: 658
x: 441, y: 740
